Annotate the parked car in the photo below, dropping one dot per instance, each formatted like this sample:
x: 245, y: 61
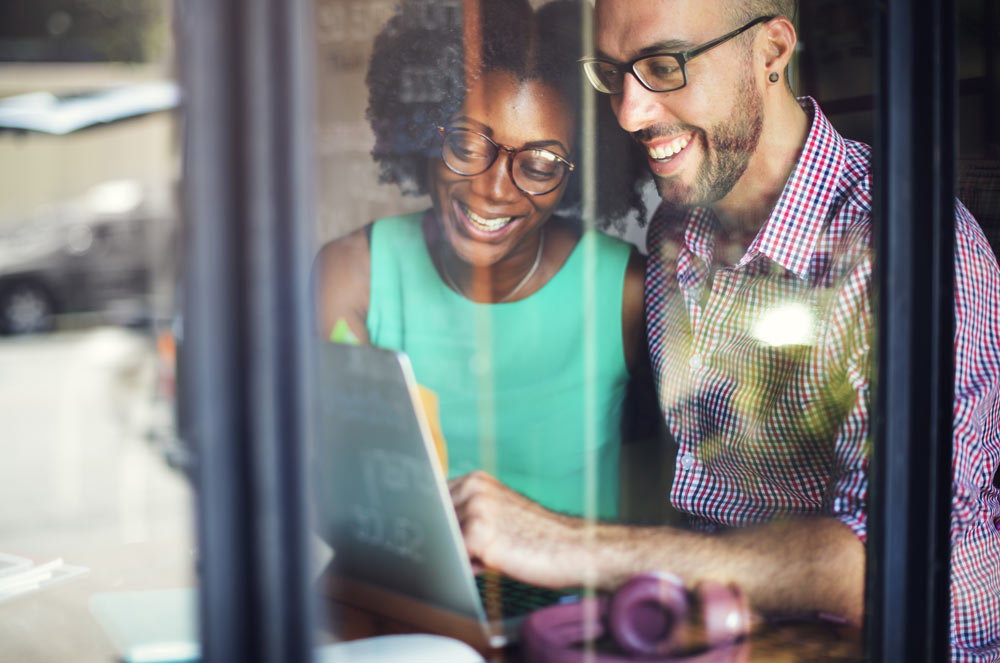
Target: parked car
x: 99, y: 254
x: 108, y: 251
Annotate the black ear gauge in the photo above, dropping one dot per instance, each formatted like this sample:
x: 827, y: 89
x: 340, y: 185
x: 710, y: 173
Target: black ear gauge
x: 773, y: 77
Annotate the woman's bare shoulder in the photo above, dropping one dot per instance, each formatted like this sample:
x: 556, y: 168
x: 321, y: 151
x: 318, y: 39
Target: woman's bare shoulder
x: 341, y: 277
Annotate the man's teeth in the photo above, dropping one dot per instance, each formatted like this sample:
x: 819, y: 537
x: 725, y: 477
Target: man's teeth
x: 483, y: 222
x: 668, y: 150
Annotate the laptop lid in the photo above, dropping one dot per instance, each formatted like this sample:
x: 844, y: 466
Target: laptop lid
x: 382, y: 498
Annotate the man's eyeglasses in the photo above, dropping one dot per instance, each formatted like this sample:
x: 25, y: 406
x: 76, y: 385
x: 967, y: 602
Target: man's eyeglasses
x: 658, y: 72
x: 533, y: 170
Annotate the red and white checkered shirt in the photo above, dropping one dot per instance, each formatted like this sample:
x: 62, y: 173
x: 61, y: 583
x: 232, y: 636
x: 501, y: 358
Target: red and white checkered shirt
x: 762, y: 358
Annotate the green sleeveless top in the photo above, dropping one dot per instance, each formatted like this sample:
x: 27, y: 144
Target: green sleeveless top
x: 530, y: 391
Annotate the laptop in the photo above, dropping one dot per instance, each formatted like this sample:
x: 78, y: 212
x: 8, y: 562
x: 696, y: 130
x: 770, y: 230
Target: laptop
x: 382, y: 501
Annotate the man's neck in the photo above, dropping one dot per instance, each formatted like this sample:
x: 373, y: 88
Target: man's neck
x: 748, y: 205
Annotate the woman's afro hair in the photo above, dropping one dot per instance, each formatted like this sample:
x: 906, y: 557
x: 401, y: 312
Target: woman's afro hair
x: 417, y: 80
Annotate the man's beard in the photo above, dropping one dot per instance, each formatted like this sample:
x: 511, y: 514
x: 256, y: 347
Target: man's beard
x: 732, y: 143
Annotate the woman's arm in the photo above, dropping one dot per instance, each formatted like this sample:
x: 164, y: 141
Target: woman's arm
x: 341, y: 284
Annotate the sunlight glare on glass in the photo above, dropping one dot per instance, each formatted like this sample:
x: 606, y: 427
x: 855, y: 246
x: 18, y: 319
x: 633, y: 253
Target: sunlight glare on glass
x: 115, y: 197
x: 790, y: 323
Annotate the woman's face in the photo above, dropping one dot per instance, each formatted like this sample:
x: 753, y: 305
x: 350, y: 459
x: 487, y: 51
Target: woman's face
x: 486, y: 218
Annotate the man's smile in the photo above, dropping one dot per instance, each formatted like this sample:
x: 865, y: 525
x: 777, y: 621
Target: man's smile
x: 665, y: 150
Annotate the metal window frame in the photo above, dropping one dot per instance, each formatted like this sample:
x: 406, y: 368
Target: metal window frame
x: 246, y: 70
x: 911, y: 470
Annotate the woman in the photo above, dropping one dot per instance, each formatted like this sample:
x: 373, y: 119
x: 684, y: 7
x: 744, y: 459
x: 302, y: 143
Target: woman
x: 486, y: 291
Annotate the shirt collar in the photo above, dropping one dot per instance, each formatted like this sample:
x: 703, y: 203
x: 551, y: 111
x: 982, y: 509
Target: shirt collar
x: 800, y: 215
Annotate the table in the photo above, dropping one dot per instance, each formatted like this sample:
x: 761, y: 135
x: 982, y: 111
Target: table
x: 54, y: 625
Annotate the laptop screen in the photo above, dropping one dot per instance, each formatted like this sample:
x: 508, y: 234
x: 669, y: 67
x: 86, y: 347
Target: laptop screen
x: 382, y: 500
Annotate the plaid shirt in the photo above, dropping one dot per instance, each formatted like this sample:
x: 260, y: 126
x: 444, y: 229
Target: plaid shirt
x: 761, y: 347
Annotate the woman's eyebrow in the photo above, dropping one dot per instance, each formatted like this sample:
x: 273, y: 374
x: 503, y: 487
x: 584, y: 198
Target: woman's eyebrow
x: 482, y: 128
x: 462, y: 119
x: 547, y: 144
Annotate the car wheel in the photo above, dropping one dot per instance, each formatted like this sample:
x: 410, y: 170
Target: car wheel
x: 26, y: 308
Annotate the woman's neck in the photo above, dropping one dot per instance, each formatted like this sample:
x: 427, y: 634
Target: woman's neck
x: 508, y: 279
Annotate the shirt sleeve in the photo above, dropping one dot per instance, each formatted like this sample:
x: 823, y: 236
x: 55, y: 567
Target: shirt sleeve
x: 975, y: 539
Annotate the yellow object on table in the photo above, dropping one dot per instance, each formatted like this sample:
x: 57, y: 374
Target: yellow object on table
x: 429, y: 400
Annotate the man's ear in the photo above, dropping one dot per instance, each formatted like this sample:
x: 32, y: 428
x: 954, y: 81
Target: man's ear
x: 779, y: 44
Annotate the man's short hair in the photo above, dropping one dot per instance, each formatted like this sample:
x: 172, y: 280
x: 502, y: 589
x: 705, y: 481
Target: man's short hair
x: 744, y: 11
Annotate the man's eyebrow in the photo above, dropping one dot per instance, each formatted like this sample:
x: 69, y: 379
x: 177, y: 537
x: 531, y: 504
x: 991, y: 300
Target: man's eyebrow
x: 665, y: 46
x: 669, y: 45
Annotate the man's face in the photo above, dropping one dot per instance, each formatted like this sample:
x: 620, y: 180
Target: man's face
x: 698, y: 139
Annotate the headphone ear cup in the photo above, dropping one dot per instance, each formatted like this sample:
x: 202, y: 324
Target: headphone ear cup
x: 725, y: 612
x: 647, y: 615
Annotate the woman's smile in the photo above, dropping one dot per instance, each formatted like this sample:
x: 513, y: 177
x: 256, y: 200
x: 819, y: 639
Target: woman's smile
x: 487, y: 223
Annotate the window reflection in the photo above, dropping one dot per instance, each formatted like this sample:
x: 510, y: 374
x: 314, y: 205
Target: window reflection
x: 761, y: 333
x: 95, y: 502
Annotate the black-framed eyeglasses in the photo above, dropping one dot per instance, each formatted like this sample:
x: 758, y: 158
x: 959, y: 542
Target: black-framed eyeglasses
x: 657, y: 72
x: 533, y: 170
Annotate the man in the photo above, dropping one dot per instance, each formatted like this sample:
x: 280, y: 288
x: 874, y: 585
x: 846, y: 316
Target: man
x: 758, y: 297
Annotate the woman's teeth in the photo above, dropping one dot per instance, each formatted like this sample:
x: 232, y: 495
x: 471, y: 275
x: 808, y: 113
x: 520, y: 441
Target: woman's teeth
x: 483, y: 222
x: 668, y: 150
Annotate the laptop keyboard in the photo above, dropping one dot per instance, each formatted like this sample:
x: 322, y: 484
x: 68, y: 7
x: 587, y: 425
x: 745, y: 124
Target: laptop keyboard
x: 515, y: 598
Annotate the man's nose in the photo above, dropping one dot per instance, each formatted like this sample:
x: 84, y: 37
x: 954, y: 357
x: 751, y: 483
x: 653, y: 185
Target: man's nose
x: 495, y: 183
x: 636, y: 107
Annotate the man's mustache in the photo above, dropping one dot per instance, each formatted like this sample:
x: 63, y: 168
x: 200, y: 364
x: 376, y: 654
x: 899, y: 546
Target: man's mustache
x: 647, y: 134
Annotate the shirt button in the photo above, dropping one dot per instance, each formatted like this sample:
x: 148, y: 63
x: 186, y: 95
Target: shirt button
x: 687, y: 461
x: 696, y: 362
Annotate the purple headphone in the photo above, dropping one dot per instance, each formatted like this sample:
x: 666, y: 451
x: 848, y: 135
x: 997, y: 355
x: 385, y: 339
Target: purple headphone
x: 651, y: 617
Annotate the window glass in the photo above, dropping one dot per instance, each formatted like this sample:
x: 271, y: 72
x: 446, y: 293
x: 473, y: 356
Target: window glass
x: 501, y: 300
x: 511, y: 382
x: 97, y: 518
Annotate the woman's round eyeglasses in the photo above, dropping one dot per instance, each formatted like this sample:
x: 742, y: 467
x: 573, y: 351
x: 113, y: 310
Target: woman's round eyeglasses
x: 533, y: 170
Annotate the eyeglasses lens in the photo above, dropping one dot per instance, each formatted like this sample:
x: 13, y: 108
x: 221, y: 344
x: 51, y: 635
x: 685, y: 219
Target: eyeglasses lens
x: 604, y: 76
x: 661, y: 72
x: 537, y: 171
x: 534, y: 171
x: 468, y: 153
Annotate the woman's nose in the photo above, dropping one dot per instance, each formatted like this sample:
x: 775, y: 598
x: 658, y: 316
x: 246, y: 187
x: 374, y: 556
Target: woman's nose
x: 495, y: 182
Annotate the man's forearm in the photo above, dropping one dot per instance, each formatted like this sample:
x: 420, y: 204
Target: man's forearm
x: 806, y: 565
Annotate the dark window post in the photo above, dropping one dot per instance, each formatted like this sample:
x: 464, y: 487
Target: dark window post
x: 247, y: 178
x: 908, y: 552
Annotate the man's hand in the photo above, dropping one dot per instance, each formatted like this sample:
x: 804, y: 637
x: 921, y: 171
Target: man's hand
x: 792, y: 566
x: 506, y: 531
